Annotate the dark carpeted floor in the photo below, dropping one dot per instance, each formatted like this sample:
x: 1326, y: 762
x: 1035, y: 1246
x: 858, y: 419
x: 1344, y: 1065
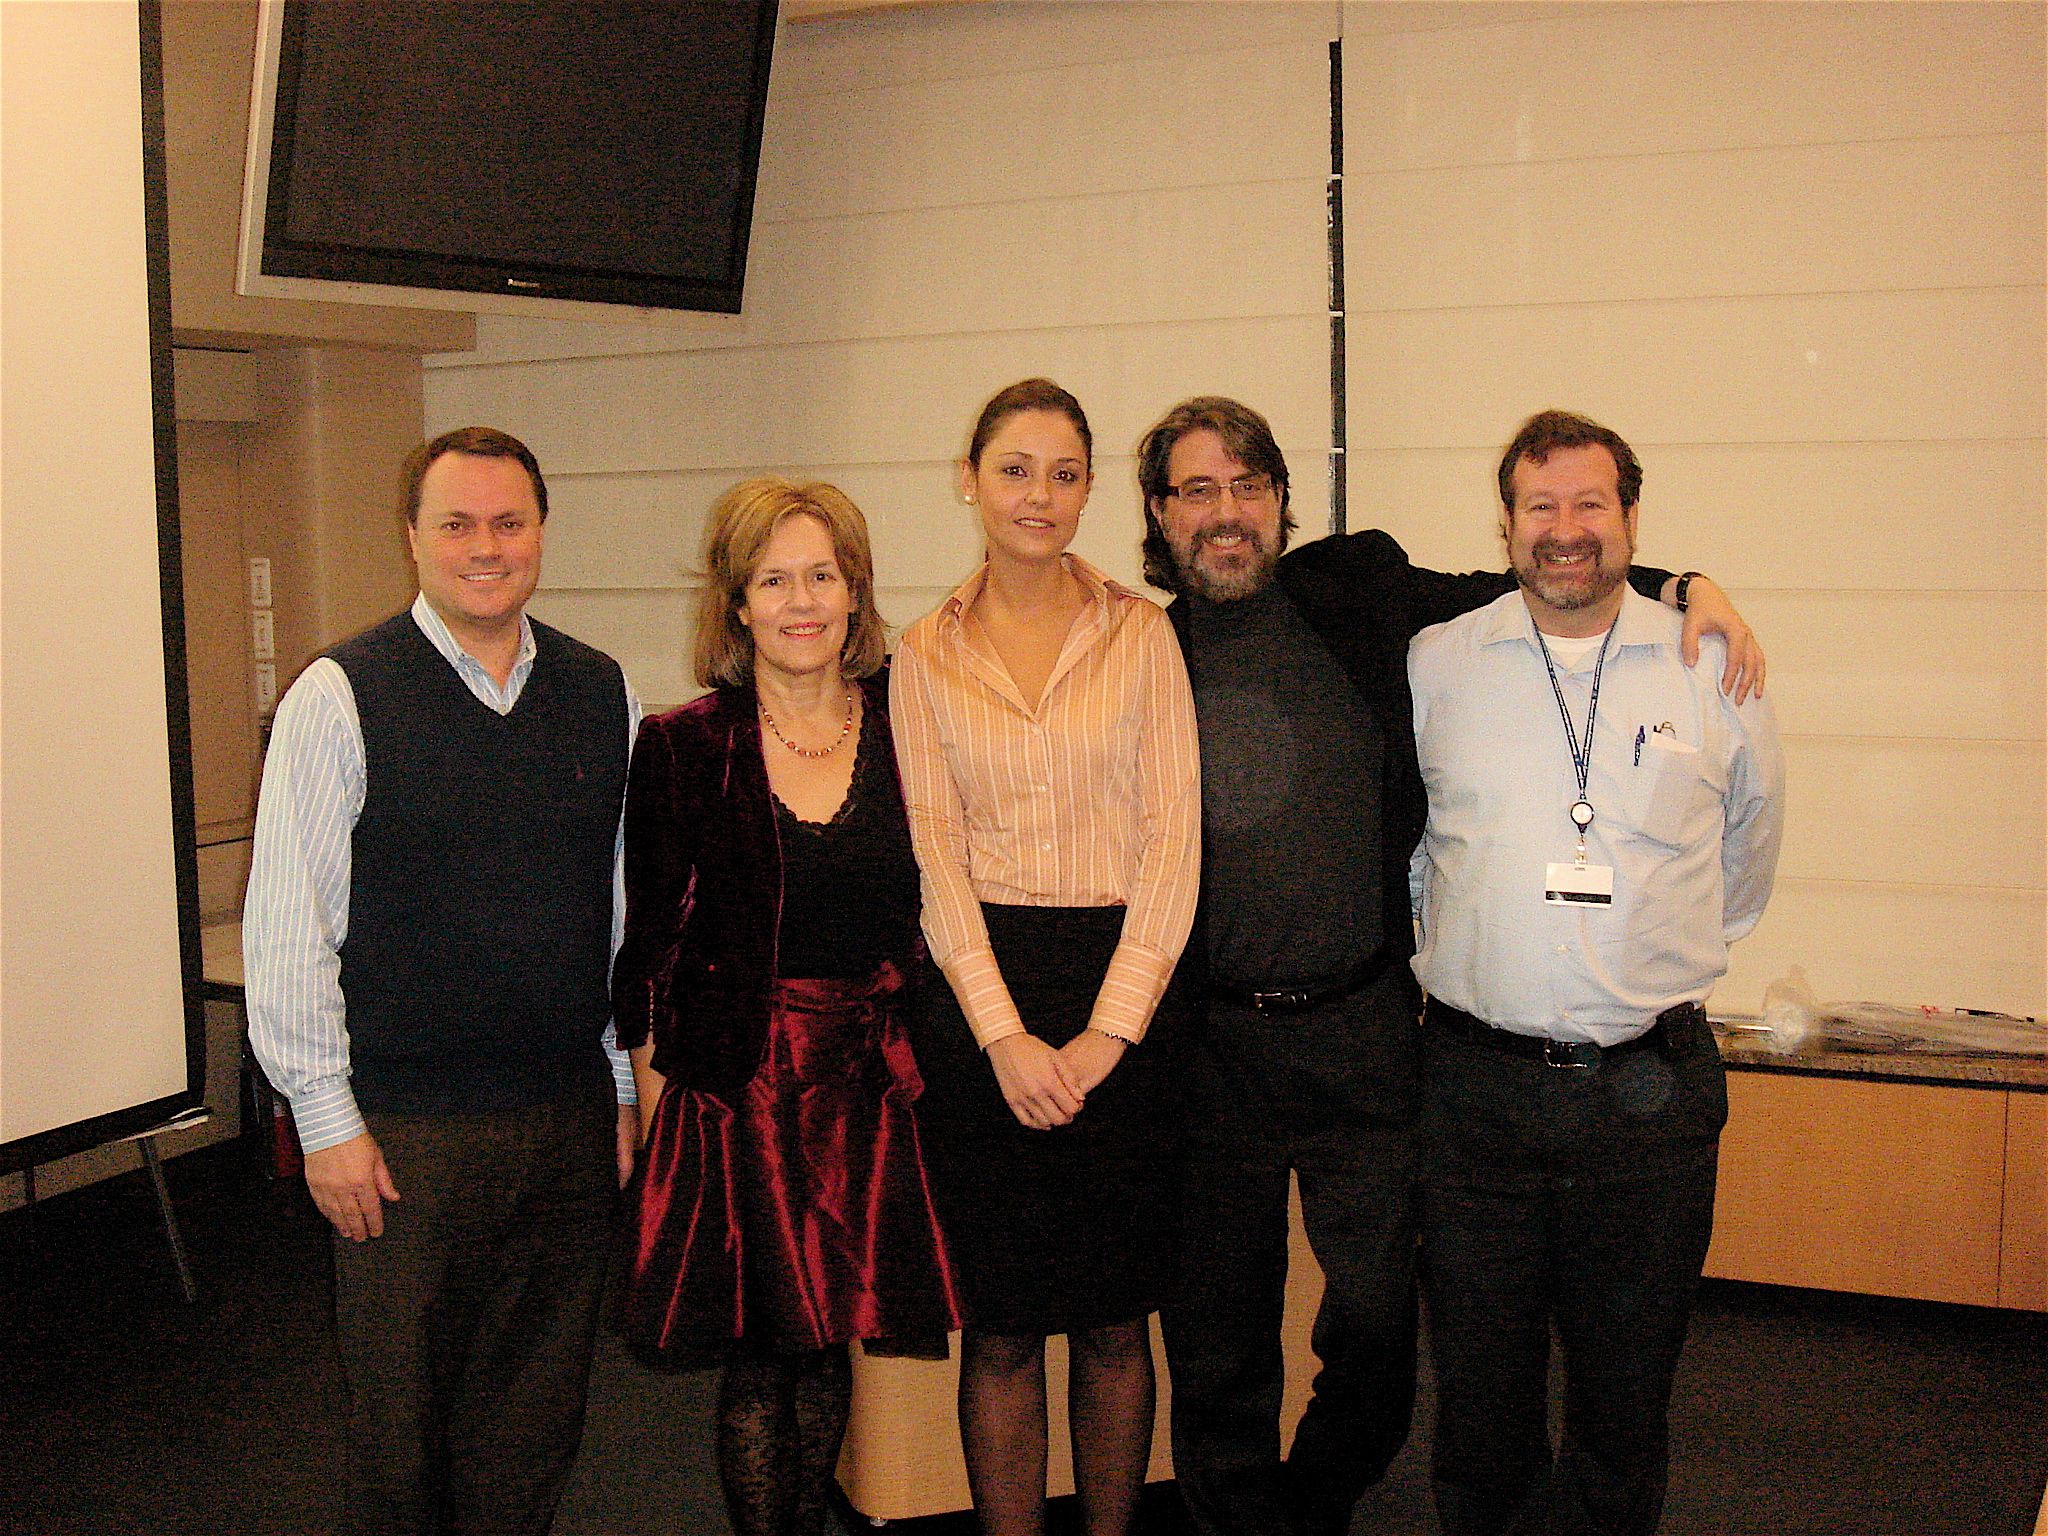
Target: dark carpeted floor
x: 123, y: 1409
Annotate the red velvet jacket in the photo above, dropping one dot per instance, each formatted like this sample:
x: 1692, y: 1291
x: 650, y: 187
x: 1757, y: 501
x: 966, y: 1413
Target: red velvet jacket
x: 704, y: 889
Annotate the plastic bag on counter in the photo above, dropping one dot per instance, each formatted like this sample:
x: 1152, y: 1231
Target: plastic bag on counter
x: 1794, y: 1020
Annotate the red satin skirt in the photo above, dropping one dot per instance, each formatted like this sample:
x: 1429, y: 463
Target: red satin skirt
x: 799, y: 1216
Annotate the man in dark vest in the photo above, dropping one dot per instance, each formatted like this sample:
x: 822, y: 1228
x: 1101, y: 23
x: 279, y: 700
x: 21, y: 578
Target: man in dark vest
x: 1308, y: 1060
x: 431, y: 915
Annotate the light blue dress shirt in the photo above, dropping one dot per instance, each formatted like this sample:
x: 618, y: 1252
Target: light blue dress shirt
x: 1689, y: 821
x: 295, y: 916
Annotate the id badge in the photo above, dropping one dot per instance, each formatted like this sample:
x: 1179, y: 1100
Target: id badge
x: 1578, y: 885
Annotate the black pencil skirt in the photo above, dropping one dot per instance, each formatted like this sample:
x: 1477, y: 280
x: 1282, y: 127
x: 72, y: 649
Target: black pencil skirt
x: 1072, y: 1228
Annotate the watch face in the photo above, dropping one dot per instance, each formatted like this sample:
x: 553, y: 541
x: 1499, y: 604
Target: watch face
x: 1582, y: 815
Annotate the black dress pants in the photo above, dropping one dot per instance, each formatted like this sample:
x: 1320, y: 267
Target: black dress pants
x: 465, y: 1331
x: 1576, y: 1197
x: 1326, y: 1095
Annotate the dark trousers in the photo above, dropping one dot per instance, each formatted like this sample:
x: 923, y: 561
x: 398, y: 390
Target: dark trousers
x: 1576, y: 1197
x: 465, y: 1331
x: 1326, y: 1095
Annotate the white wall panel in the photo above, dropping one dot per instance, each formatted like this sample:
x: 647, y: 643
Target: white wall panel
x: 1876, y: 516
x: 1857, y: 367
x: 646, y: 530
x: 1946, y: 945
x: 1793, y: 253
x: 1962, y: 666
x: 646, y: 632
x: 1027, y: 132
x: 952, y: 198
x: 931, y: 271
x: 1581, y: 81
x: 858, y: 52
x: 650, y: 633
x: 1936, y: 213
x: 926, y: 272
x: 888, y: 400
x: 1369, y: 19
x: 1880, y: 809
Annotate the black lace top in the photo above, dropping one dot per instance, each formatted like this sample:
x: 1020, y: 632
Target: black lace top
x: 849, y: 885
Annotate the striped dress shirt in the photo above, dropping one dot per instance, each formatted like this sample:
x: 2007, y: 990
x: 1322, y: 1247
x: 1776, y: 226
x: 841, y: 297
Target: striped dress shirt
x: 295, y: 916
x: 1092, y: 799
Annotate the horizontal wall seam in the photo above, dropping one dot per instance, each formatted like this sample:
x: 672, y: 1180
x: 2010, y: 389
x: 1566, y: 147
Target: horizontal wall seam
x: 1919, y: 887
x: 1773, y: 146
x: 1764, y: 295
x: 1318, y: 315
x: 982, y: 77
x: 1313, y: 181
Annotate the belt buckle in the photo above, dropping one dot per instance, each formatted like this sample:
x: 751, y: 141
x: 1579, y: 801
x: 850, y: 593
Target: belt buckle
x: 1284, y: 1002
x: 1566, y: 1054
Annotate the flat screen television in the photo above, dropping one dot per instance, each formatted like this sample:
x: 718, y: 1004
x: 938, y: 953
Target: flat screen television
x: 594, y: 150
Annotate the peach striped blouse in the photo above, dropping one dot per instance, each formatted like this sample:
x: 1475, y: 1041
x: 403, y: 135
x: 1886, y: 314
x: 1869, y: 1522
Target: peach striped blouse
x: 1093, y: 799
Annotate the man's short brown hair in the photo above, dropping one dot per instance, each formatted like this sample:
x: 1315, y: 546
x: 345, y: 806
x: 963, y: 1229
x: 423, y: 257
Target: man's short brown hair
x: 479, y: 442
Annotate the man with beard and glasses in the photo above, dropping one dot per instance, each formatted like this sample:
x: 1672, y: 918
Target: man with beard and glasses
x: 1309, y: 1058
x: 1603, y: 824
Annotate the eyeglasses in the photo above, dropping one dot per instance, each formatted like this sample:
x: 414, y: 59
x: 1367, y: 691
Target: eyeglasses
x: 1204, y: 492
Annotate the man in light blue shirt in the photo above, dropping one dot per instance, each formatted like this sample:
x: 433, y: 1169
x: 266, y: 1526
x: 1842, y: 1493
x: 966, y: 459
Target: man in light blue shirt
x: 1603, y: 824
x: 432, y: 909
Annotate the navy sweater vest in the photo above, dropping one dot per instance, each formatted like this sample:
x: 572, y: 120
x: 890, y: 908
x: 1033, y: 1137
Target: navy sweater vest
x: 475, y: 972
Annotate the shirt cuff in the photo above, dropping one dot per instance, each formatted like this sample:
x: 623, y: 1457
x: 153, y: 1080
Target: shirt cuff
x: 978, y: 984
x: 326, y: 1115
x: 1131, y: 988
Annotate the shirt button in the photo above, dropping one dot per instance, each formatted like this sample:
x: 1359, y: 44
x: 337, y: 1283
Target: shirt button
x: 1046, y: 846
x: 1564, y: 949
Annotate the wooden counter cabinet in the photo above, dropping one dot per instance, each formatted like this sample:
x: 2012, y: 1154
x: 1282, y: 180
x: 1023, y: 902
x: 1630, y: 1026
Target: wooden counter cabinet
x: 1931, y: 1190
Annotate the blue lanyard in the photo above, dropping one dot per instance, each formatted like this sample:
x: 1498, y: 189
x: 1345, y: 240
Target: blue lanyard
x: 1582, y: 757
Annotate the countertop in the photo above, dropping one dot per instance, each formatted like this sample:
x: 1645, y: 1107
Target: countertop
x: 1745, y: 1052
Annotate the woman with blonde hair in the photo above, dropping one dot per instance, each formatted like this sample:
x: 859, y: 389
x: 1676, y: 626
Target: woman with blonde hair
x: 1047, y: 735
x: 781, y: 1207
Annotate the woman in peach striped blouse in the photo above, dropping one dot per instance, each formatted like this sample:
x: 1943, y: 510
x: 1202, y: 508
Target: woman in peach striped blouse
x: 1046, y: 736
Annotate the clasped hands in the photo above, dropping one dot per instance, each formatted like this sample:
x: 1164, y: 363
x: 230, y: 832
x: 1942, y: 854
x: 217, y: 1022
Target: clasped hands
x: 1046, y: 1087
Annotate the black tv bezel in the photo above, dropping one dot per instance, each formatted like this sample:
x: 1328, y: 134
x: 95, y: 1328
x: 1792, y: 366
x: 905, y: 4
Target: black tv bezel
x: 385, y: 266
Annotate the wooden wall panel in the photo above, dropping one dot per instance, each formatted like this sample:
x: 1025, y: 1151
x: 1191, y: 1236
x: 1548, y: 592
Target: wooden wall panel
x: 1890, y: 1189
x: 223, y: 710
x: 2023, y: 1252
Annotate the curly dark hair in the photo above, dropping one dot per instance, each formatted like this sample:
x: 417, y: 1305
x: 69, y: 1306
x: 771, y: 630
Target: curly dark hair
x: 1547, y: 431
x: 1247, y: 435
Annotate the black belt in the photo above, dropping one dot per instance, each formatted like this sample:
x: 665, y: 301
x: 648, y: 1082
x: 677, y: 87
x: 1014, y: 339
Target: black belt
x: 1553, y: 1053
x: 1302, y: 999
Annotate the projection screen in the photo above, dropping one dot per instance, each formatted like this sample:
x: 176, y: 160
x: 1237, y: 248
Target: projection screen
x: 101, y: 1029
